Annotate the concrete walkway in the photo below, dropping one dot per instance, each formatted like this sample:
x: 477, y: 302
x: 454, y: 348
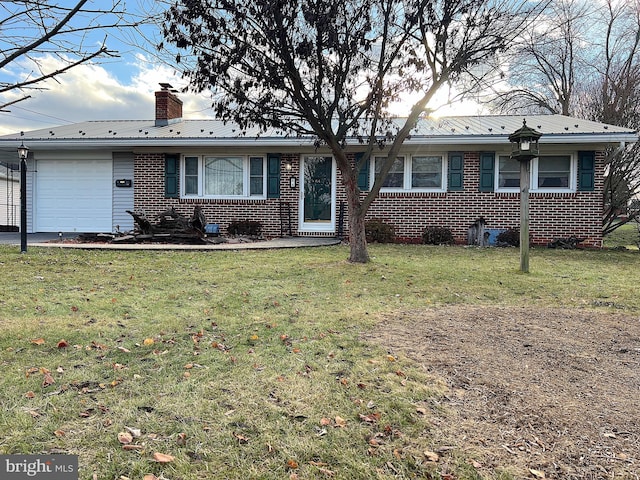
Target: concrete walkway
x: 52, y: 240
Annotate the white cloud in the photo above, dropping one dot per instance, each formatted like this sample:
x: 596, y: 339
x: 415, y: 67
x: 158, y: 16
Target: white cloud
x: 94, y: 92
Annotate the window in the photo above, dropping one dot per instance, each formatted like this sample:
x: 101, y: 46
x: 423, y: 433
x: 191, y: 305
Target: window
x: 224, y: 176
x: 395, y: 178
x: 554, y: 171
x: 419, y: 172
x: 191, y: 175
x: 426, y: 172
x: 508, y: 173
x: 548, y: 173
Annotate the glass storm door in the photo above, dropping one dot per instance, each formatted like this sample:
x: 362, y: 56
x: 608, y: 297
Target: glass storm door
x: 317, y: 209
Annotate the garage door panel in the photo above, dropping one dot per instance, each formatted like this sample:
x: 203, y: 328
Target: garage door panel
x: 74, y: 196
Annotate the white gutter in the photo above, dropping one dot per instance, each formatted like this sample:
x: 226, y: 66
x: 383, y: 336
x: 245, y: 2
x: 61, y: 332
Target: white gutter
x: 620, y: 138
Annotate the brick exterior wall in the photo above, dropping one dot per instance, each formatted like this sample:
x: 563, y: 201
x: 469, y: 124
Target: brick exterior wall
x: 552, y: 215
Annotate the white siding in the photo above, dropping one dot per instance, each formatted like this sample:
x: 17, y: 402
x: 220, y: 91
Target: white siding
x: 122, y: 196
x: 9, y: 197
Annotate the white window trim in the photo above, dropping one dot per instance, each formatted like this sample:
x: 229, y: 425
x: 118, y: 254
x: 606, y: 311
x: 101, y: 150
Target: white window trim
x: 533, y: 177
x: 246, y: 177
x: 407, y: 172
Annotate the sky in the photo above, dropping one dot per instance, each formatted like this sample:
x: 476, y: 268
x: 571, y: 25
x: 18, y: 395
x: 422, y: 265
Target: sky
x: 119, y: 88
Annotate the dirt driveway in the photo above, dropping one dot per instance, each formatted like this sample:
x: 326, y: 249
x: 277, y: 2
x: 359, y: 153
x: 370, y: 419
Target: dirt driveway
x: 543, y: 393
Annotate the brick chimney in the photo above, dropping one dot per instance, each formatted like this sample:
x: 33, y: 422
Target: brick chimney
x: 168, y: 106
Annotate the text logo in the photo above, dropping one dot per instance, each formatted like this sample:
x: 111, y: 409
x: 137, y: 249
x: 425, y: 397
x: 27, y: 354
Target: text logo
x: 39, y: 467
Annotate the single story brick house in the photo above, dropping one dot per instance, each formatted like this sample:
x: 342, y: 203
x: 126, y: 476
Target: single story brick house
x: 452, y: 171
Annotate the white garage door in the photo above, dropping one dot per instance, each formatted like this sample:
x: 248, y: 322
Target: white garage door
x: 73, y: 196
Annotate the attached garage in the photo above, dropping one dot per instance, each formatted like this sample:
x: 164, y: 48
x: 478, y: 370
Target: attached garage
x: 73, y: 194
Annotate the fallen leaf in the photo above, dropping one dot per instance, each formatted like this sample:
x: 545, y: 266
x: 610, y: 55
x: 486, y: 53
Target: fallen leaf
x: 537, y: 473
x: 181, y: 439
x: 325, y: 421
x: 163, y: 457
x: 148, y: 341
x: 47, y: 380
x: 38, y: 341
x: 59, y: 433
x: 340, y: 422
x: 326, y: 471
x: 131, y: 447
x: 391, y: 358
x: 125, y: 350
x: 74, y: 308
x: 149, y: 476
x: 29, y: 394
x: 125, y: 438
x: 475, y: 464
x: 241, y: 438
x: 62, y: 344
x: 432, y: 456
x: 371, y: 418
x: 292, y: 464
x: 135, y: 432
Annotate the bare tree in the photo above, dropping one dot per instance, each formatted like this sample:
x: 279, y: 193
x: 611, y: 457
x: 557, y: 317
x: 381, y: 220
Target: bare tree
x: 583, y: 60
x: 547, y: 61
x: 331, y: 69
x: 30, y: 29
x: 613, y: 96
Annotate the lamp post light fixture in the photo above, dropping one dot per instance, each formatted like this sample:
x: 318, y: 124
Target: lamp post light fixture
x: 524, y: 147
x: 23, y: 153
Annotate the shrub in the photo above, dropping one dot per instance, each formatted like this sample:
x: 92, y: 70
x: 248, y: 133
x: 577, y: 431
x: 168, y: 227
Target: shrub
x: 249, y: 228
x: 437, y: 236
x: 509, y: 238
x: 379, y: 231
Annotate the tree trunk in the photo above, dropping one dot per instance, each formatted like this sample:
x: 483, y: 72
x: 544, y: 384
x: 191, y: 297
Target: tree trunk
x: 357, y: 236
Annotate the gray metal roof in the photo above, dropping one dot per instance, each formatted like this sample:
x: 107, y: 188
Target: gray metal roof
x: 489, y: 129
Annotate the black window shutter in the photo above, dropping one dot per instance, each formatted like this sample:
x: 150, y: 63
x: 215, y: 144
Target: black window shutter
x: 273, y: 175
x: 363, y: 174
x: 586, y: 171
x: 455, y: 171
x: 171, y: 174
x: 487, y: 166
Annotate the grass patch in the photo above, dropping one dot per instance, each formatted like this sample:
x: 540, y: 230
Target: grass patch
x: 249, y: 364
x: 626, y: 236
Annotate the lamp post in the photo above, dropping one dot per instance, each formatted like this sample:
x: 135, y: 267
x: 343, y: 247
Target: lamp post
x: 524, y: 147
x: 23, y: 152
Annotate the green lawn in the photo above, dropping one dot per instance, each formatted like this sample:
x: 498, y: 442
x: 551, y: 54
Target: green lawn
x: 625, y: 236
x: 249, y: 364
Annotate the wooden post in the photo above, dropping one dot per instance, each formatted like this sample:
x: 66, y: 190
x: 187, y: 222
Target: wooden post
x: 524, y: 215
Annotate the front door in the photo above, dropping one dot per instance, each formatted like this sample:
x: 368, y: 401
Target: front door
x: 317, y: 194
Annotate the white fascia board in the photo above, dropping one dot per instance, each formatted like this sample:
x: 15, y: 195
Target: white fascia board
x: 450, y: 140
x: 547, y: 139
